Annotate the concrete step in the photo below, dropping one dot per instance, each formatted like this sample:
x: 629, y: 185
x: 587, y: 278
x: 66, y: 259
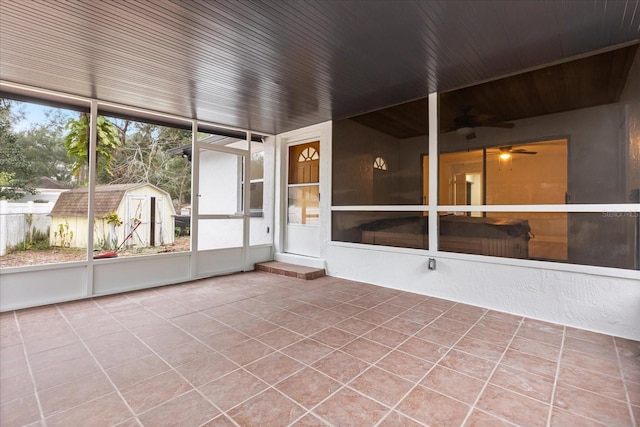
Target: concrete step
x: 290, y: 270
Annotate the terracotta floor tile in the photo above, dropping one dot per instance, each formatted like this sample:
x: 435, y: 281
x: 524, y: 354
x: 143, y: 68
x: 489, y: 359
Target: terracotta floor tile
x: 307, y: 351
x: 373, y: 316
x: 274, y: 367
x: 16, y: 387
x: 306, y: 327
x: 106, y: 410
x: 280, y: 338
x: 396, y: 419
x: 479, y: 418
x: 347, y: 309
x: 544, y: 335
x: 341, y: 366
x: 402, y: 325
x: 381, y: 386
x: 348, y: 408
x: 19, y: 412
x: 386, y: 336
x: 189, y: 409
x: 531, y: 385
x: 479, y: 348
x: 598, y: 375
x: 220, y: 421
x: 222, y: 340
x: 404, y: 365
x: 334, y: 337
x: 206, y: 369
x: 308, y: 387
x: 593, y: 337
x: 64, y: 372
x: 450, y: 325
x: 432, y: 408
x: 535, y: 348
x: 137, y: 370
x: 453, y: 384
x: 483, y: 333
x: 269, y: 408
x: 424, y: 317
x: 232, y: 389
x: 584, y: 361
x: 186, y: 353
x: 467, y: 364
x: 513, y: 407
x: 155, y: 391
x: 247, y: 352
x: 463, y: 316
x: 366, y: 350
x: 310, y: 421
x: 423, y: 349
x: 592, y: 381
x: 57, y: 355
x: 115, y: 356
x: 560, y: 418
x: 590, y: 405
x: 256, y: 327
x: 355, y: 326
x: 438, y: 336
x: 529, y: 363
x: 74, y: 393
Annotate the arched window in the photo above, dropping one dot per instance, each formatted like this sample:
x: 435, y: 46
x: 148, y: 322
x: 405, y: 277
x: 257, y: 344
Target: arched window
x: 379, y: 163
x: 308, y: 154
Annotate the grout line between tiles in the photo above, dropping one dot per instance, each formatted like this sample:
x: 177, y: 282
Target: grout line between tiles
x: 556, y: 376
x: 634, y: 422
x: 484, y: 387
x: 33, y: 380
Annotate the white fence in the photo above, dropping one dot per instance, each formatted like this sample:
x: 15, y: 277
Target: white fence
x: 20, y: 221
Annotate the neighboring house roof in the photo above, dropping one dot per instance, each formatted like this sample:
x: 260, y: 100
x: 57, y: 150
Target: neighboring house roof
x: 52, y: 184
x: 107, y: 199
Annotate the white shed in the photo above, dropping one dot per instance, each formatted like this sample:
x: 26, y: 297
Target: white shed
x: 141, y: 203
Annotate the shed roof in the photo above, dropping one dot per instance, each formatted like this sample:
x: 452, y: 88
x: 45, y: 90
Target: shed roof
x: 107, y: 199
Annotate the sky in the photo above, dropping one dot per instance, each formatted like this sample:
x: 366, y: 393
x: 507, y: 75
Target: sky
x: 33, y: 113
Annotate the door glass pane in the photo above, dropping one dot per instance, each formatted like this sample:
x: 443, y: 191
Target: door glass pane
x: 304, y: 205
x: 304, y: 163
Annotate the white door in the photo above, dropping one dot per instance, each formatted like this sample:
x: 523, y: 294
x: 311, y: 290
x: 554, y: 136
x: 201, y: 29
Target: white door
x: 303, y: 200
x: 222, y: 217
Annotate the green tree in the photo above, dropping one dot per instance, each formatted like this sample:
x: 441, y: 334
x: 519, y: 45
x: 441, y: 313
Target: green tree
x: 43, y: 146
x: 77, y: 143
x: 143, y: 157
x: 15, y: 175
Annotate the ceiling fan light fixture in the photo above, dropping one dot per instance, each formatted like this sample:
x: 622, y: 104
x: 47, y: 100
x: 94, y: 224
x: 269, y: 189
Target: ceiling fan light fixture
x: 464, y: 131
x: 505, y: 156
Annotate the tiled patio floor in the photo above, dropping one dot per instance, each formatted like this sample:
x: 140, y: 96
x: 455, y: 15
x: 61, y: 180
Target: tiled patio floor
x: 257, y: 349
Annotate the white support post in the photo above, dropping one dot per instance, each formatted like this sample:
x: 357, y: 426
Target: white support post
x: 433, y: 172
x: 93, y: 172
x: 195, y: 190
x: 246, y: 211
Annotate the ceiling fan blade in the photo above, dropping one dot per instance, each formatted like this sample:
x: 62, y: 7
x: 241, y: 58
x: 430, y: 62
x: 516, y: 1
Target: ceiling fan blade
x: 522, y: 151
x: 471, y: 135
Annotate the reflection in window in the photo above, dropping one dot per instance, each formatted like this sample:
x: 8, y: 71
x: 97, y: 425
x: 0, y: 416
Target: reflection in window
x: 380, y: 164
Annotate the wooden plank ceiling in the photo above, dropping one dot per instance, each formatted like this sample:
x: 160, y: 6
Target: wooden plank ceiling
x: 274, y: 66
x: 586, y: 82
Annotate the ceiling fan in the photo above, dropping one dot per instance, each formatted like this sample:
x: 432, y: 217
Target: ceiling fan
x: 506, y: 151
x: 466, y: 123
